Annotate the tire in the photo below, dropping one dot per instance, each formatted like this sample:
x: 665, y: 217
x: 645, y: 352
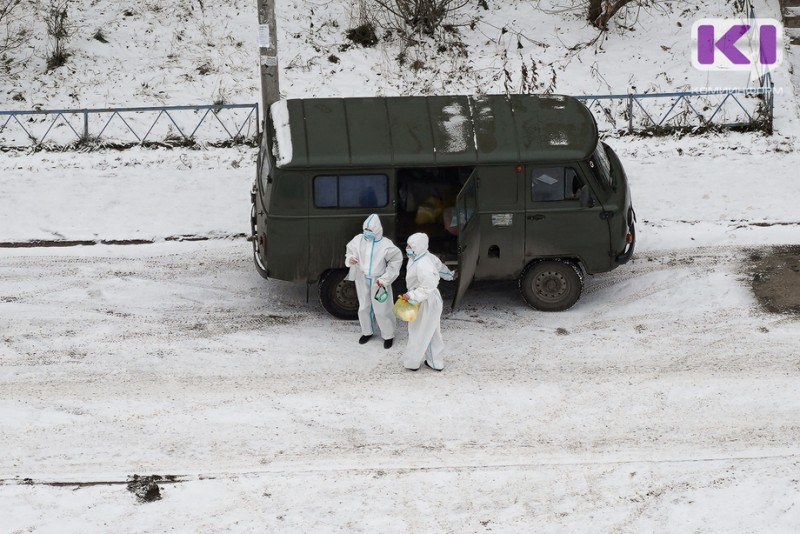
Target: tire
x: 260, y: 267
x: 337, y: 295
x: 551, y: 285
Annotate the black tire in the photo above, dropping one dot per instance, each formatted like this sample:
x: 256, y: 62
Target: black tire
x: 260, y: 267
x: 551, y: 285
x: 337, y: 295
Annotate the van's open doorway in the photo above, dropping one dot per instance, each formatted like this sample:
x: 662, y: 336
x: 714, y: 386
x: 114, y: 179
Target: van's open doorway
x: 427, y: 203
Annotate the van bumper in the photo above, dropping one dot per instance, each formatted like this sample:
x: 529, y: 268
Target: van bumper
x: 627, y: 254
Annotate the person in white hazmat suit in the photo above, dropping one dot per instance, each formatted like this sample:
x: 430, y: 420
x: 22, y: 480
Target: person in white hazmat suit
x: 423, y: 271
x: 375, y: 263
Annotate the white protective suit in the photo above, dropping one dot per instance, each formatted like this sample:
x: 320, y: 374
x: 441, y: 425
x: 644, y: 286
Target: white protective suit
x: 378, y: 260
x: 422, y: 279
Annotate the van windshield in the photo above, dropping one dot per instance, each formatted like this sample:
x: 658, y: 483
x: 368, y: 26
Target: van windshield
x: 602, y: 166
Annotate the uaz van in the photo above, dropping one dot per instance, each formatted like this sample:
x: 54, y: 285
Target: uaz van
x: 506, y: 187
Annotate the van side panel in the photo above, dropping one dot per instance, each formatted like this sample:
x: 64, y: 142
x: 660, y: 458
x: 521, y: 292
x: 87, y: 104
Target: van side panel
x: 453, y: 135
x: 329, y: 236
x: 368, y: 128
x: 326, y: 130
x: 564, y: 228
x: 410, y: 130
x: 287, y: 226
x: 495, y: 133
x: 287, y: 248
x: 502, y: 208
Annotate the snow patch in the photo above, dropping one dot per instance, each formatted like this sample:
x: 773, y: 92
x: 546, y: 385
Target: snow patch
x: 283, y: 134
x: 456, y: 127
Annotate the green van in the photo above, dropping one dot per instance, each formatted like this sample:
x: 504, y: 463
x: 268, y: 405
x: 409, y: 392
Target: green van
x: 506, y: 187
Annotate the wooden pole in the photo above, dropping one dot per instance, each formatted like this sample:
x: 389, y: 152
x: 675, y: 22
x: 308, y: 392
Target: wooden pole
x: 268, y: 54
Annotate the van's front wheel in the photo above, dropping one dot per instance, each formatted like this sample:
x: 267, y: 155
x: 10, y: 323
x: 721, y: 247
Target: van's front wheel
x: 551, y: 285
x: 338, y: 296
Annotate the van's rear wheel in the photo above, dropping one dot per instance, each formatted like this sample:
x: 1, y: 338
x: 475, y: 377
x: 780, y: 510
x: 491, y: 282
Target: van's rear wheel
x: 338, y: 296
x: 260, y: 268
x: 551, y: 285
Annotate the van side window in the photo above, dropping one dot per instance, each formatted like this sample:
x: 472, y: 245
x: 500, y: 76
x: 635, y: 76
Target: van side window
x: 470, y: 206
x: 351, y: 191
x: 555, y: 183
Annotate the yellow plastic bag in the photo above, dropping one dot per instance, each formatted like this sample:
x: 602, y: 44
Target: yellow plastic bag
x: 404, y: 310
x: 430, y: 211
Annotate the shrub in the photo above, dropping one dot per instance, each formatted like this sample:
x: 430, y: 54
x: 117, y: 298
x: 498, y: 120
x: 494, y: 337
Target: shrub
x: 363, y: 35
x: 59, y: 30
x: 424, y: 16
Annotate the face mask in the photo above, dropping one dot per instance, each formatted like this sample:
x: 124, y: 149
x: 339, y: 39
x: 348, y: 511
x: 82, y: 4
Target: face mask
x: 369, y: 235
x: 409, y: 252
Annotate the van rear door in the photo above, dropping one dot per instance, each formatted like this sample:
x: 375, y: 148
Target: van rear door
x: 469, y: 237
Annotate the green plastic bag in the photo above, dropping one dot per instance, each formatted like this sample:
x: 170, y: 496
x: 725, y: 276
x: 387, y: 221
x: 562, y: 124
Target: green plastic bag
x: 404, y: 310
x: 381, y: 294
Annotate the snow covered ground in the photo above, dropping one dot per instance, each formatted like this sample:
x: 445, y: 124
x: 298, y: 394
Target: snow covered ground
x: 665, y: 400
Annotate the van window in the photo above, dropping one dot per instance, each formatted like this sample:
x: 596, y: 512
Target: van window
x: 470, y: 207
x: 554, y: 183
x: 351, y: 191
x: 602, y: 166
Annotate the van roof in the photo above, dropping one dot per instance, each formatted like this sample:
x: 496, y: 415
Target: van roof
x: 431, y: 130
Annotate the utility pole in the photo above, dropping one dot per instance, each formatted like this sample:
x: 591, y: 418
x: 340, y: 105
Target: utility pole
x: 268, y: 54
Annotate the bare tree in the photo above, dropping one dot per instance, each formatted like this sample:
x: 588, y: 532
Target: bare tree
x: 602, y: 11
x: 11, y: 34
x: 59, y: 30
x: 424, y: 16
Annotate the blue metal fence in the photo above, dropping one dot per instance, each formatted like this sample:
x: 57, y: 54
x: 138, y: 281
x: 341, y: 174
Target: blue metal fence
x: 154, y: 124
x: 747, y: 108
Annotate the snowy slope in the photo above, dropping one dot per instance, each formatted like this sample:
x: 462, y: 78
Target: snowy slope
x: 193, y: 52
x: 175, y: 52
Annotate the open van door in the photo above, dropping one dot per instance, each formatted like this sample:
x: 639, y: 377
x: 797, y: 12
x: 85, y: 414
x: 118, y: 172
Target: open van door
x: 469, y: 237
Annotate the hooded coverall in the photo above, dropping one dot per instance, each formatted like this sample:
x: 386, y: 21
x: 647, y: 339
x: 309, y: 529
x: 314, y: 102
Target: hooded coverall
x: 422, y: 278
x: 378, y: 260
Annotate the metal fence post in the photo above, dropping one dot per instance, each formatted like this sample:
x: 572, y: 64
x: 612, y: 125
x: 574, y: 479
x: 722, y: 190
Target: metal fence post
x: 85, y: 125
x: 771, y: 105
x: 630, y: 113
